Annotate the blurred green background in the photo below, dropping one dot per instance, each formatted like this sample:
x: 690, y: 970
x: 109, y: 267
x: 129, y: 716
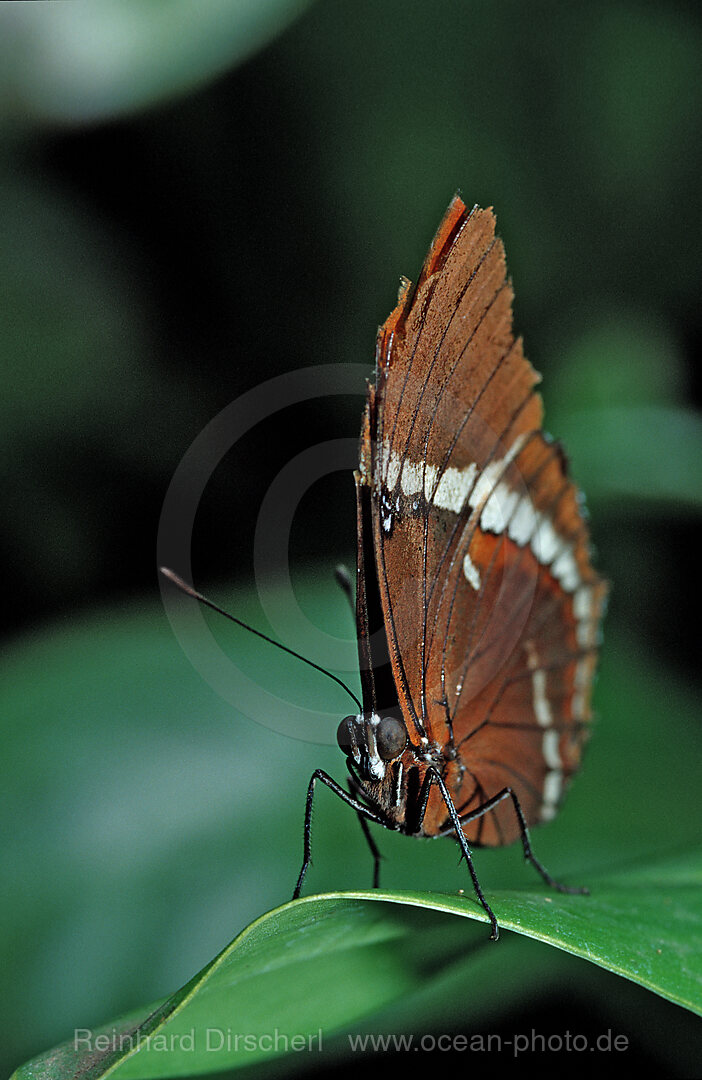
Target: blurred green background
x: 197, y: 196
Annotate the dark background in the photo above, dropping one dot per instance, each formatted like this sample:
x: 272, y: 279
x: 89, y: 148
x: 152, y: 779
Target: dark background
x: 159, y: 263
x: 171, y: 241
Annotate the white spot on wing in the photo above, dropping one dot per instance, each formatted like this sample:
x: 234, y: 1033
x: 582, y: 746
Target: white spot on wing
x: 550, y: 742
x: 553, y: 787
x: 546, y: 542
x: 471, y: 572
x: 581, y: 683
x: 565, y: 568
x: 523, y: 522
x: 541, y: 705
x: 411, y: 477
x: 391, y: 464
x: 501, y: 508
x: 551, y: 751
x: 453, y: 488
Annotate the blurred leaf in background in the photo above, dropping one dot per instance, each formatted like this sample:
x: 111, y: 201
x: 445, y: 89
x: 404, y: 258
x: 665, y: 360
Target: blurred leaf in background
x: 85, y: 62
x: 198, y: 196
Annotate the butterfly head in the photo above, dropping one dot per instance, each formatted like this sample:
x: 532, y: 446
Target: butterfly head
x: 370, y: 741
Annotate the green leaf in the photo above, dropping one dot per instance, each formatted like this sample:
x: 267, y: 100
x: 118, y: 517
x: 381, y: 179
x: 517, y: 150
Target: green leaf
x: 321, y: 963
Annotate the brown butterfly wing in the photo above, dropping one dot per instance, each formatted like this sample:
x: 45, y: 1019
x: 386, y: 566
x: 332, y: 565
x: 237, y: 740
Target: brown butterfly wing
x: 489, y: 602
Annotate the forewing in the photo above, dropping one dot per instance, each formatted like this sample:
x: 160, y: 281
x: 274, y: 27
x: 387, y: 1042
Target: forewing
x: 481, y: 551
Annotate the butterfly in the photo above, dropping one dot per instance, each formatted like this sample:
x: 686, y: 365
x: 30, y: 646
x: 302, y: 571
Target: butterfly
x: 477, y: 608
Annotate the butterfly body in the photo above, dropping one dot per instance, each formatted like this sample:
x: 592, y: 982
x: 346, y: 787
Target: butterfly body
x: 477, y: 608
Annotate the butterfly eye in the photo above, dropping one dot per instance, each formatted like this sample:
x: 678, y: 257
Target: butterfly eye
x: 390, y: 738
x: 344, y: 735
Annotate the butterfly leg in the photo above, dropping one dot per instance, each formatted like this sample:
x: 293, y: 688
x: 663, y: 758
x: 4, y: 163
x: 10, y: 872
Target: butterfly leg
x: 508, y: 793
x: 373, y: 850
x: 363, y: 812
x: 432, y: 776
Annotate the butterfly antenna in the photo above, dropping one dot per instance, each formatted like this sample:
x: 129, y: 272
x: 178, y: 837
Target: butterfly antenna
x: 343, y: 580
x: 190, y: 591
